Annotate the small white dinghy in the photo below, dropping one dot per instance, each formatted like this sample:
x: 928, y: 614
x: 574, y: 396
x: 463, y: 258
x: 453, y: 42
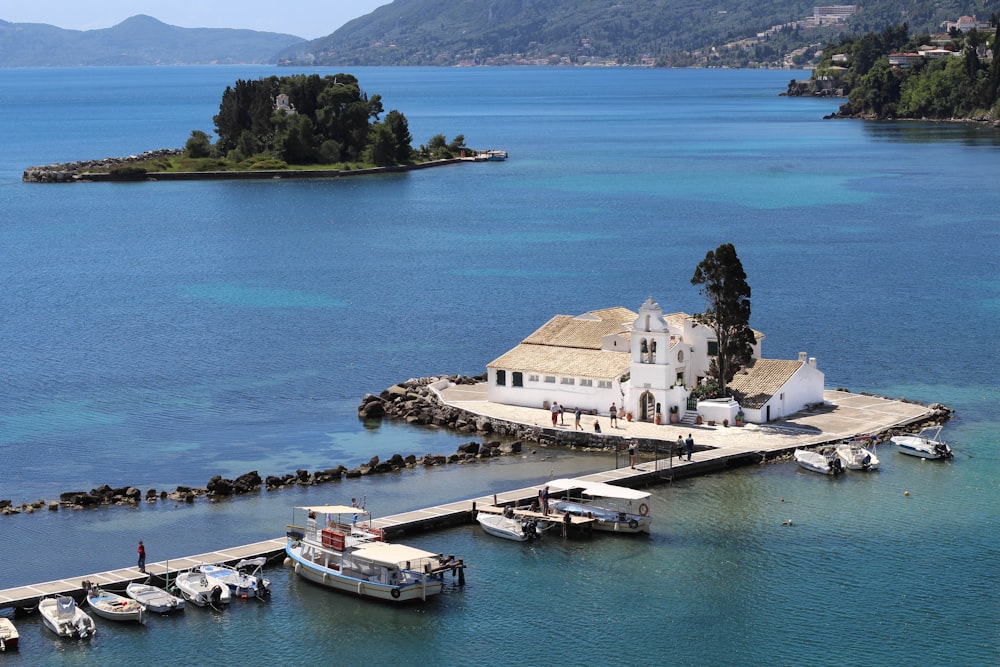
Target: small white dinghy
x: 856, y: 456
x: 154, y: 599
x: 197, y: 589
x: 63, y: 617
x: 509, y: 527
x: 8, y: 635
x: 817, y: 462
x: 926, y: 445
x: 245, y: 579
x: 112, y: 606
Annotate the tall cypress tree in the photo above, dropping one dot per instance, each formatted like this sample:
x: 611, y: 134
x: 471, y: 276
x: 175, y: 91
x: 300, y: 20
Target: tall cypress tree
x: 724, y: 286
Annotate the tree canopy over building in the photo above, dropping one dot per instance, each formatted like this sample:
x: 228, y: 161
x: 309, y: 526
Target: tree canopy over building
x: 724, y: 286
x: 308, y: 119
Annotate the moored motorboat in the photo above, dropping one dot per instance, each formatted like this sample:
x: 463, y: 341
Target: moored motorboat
x: 615, y: 509
x: 508, y: 526
x: 926, y: 444
x: 9, y: 636
x: 196, y: 588
x: 353, y: 557
x: 112, y: 606
x: 154, y: 599
x: 245, y: 579
x: 62, y: 616
x: 818, y: 462
x: 857, y: 454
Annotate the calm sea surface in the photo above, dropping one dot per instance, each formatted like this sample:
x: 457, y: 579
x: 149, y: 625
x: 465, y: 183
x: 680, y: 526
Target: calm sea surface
x: 157, y: 334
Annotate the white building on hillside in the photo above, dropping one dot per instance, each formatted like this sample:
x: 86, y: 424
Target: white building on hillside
x: 646, y: 363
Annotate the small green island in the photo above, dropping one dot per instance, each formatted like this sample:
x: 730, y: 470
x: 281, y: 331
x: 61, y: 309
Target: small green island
x: 299, y: 125
x: 893, y: 76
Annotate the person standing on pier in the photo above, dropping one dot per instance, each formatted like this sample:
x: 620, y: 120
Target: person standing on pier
x: 680, y: 447
x: 689, y: 443
x: 577, y: 415
x: 555, y: 412
x: 613, y: 413
x: 631, y: 452
x: 142, y: 557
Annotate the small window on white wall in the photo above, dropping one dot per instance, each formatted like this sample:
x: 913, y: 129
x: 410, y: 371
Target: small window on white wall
x: 586, y: 383
x: 568, y: 381
x: 604, y: 384
x: 551, y: 379
x: 532, y: 378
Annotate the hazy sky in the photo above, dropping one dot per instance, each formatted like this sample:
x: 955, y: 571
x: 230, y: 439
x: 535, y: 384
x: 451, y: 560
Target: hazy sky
x: 304, y: 18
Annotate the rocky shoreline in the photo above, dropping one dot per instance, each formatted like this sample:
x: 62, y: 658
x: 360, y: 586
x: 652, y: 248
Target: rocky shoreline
x: 129, y: 169
x: 415, y: 402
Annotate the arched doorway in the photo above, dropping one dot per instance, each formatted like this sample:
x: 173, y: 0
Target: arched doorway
x: 647, y: 406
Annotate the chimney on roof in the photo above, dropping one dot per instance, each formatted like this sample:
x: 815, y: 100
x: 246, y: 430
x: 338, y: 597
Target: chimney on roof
x: 812, y: 361
x: 802, y: 357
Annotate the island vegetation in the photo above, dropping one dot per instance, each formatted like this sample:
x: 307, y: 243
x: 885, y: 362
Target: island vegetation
x: 893, y: 75
x: 299, y: 123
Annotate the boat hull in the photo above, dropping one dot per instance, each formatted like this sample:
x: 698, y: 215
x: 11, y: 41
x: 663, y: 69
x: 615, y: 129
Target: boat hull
x: 154, y: 599
x: 337, y: 581
x: 605, y: 519
x: 9, y: 636
x: 196, y: 589
x: 913, y: 445
x: 65, y: 619
x: 818, y: 463
x: 857, y: 458
x: 503, y: 527
x: 115, y: 607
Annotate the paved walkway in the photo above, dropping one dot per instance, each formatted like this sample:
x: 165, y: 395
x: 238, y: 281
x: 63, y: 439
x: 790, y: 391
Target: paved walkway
x: 843, y: 416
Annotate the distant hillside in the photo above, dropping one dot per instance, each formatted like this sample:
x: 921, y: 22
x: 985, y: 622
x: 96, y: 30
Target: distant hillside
x: 734, y: 33
x: 140, y: 40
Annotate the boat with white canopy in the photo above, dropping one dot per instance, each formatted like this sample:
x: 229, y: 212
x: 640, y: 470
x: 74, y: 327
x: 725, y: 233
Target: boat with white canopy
x: 615, y: 509
x: 339, y: 548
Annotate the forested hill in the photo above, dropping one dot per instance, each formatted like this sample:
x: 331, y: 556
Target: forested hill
x: 140, y: 40
x: 733, y: 33
x: 898, y: 75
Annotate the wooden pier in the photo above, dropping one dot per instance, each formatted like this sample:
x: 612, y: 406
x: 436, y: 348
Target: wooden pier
x: 857, y: 414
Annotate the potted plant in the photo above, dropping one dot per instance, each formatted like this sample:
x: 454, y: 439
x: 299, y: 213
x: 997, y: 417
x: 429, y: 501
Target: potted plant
x: 628, y: 415
x: 657, y: 418
x: 739, y: 418
x: 725, y: 423
x: 698, y: 420
x: 674, y: 416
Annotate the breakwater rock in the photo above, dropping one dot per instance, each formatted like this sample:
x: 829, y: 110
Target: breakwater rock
x: 67, y: 172
x: 416, y: 401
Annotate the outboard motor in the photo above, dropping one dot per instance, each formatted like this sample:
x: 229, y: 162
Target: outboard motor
x: 216, y: 595
x: 866, y: 463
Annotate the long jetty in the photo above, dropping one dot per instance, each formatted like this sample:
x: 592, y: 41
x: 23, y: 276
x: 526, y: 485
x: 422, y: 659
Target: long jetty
x: 719, y: 448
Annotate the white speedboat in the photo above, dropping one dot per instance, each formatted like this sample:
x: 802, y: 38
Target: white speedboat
x: 112, y: 606
x: 197, y: 589
x: 245, y: 579
x: 508, y: 526
x: 8, y: 635
x: 353, y: 558
x: 154, y: 599
x: 927, y: 444
x: 62, y: 616
x: 615, y: 509
x: 817, y: 462
x: 856, y: 456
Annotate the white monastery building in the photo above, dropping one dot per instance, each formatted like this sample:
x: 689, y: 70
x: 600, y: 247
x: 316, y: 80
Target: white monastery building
x: 646, y: 363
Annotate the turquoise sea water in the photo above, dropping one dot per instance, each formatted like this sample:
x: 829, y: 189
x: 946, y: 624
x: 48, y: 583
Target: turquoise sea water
x: 157, y: 334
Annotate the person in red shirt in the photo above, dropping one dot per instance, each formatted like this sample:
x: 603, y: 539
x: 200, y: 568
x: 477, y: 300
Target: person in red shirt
x: 142, y: 558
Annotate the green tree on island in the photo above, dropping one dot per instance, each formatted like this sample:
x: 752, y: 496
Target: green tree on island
x: 724, y: 286
x: 318, y: 120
